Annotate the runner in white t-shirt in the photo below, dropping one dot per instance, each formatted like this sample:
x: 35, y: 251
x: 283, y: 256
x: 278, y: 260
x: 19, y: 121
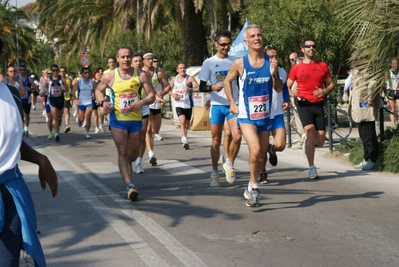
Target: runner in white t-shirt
x: 212, y: 75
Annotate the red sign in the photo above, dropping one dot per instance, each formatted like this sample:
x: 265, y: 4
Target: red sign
x: 84, y: 60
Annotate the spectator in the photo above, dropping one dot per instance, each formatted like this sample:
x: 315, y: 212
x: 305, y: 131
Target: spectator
x: 363, y: 107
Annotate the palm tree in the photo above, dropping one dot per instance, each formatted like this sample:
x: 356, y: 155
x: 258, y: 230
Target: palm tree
x: 10, y: 29
x: 374, y: 35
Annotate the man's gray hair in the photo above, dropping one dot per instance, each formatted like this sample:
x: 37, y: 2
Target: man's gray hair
x: 251, y: 26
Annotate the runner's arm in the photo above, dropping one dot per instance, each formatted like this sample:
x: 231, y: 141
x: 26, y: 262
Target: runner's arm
x: 163, y: 80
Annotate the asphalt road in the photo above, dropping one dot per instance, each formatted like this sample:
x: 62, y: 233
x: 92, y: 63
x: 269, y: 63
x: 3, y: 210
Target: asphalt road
x: 346, y: 218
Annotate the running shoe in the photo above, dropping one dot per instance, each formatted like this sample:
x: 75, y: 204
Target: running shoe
x: 214, y: 180
x: 50, y: 136
x: 26, y: 133
x: 83, y: 124
x: 263, y: 178
x: 87, y: 136
x: 222, y: 159
x: 252, y: 197
x: 34, y: 107
x: 313, y: 172
x: 229, y: 172
x: 158, y: 137
x: 97, y: 130
x: 272, y: 156
x: 102, y: 129
x: 75, y: 113
x: 186, y: 146
x: 79, y: 123
x: 361, y: 164
x: 153, y: 161
x: 132, y: 194
x: 67, y: 129
x: 57, y: 137
x: 138, y: 168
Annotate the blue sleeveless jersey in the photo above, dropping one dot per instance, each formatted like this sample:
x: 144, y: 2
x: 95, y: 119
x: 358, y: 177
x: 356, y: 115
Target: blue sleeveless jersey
x: 26, y: 84
x: 255, y: 96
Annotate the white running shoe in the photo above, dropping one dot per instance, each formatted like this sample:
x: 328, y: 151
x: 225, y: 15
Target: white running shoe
x: 138, y: 168
x: 158, y: 137
x: 84, y: 124
x: 361, y: 164
x: 102, y: 129
x: 87, y: 136
x: 222, y: 159
x: 313, y: 172
x: 252, y: 198
x: 75, y: 113
x: 34, y: 107
x: 97, y: 130
x: 229, y: 172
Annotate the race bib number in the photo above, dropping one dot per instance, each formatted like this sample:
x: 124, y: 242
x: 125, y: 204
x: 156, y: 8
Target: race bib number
x: 55, y: 91
x: 25, y: 96
x: 258, y: 107
x: 125, y: 100
x: 181, y: 94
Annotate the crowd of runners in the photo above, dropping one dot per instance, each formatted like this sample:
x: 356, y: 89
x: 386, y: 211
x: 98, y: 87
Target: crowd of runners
x: 248, y: 98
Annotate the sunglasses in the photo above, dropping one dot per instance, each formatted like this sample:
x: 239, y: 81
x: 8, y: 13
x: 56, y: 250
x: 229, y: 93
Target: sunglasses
x: 85, y: 72
x: 54, y: 70
x: 268, y: 47
x: 155, y: 61
x: 292, y: 59
x: 309, y: 46
x: 224, y: 44
x: 22, y: 69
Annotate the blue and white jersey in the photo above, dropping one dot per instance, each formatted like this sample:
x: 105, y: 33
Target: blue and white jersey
x: 255, y: 97
x: 85, y: 91
x: 185, y: 98
x: 26, y: 99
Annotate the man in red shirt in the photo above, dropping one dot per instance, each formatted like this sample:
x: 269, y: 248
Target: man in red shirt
x: 311, y: 75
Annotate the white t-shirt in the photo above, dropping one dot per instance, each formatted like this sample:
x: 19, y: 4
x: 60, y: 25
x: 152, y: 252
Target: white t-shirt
x: 10, y: 130
x: 277, y: 98
x: 214, y: 70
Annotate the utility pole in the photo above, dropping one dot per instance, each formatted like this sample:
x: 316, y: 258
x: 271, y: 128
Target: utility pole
x: 16, y: 41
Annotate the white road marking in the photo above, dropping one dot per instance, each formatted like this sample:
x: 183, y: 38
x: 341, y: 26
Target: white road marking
x: 143, y: 250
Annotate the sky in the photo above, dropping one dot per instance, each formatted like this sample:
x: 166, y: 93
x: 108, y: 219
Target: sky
x: 20, y: 2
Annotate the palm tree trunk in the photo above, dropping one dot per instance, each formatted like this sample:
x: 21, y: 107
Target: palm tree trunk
x: 194, y: 36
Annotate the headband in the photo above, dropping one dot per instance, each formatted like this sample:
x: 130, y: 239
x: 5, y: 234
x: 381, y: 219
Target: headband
x: 148, y: 54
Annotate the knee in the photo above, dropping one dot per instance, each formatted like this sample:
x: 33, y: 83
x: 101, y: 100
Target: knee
x: 279, y: 146
x: 216, y: 141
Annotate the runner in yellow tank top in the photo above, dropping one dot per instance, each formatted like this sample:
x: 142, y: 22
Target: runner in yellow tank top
x: 126, y: 91
x: 125, y: 111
